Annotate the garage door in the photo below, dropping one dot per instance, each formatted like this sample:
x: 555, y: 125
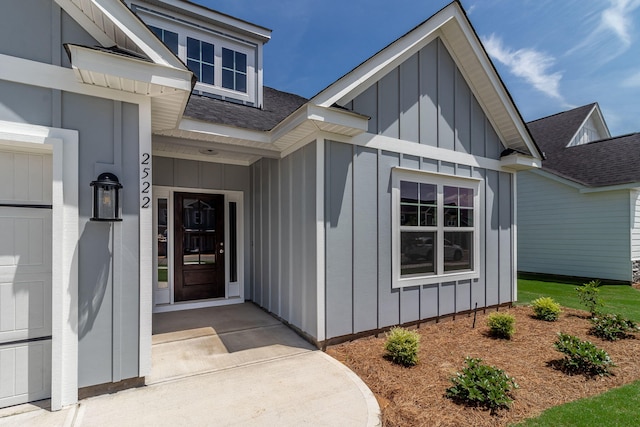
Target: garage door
x: 25, y: 277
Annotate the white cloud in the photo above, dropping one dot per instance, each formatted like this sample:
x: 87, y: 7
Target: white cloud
x: 616, y: 18
x: 531, y: 65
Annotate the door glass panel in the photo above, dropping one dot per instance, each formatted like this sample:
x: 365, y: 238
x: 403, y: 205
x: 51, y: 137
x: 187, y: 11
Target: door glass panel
x: 163, y: 281
x: 199, y: 238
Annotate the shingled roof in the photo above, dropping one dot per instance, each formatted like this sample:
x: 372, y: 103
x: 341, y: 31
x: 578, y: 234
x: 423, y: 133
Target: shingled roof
x: 611, y: 161
x: 276, y: 107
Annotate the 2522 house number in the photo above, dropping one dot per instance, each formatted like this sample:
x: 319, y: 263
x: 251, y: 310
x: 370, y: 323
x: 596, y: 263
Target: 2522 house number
x: 145, y: 182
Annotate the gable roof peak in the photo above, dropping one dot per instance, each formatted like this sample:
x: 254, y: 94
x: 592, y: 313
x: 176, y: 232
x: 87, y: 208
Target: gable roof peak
x: 453, y: 27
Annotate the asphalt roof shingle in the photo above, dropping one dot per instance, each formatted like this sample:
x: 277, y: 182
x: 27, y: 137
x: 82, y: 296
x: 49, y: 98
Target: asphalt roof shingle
x: 606, y: 162
x: 276, y: 107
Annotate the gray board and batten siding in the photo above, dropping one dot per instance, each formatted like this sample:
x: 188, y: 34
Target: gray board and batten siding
x: 283, y: 277
x: 107, y: 254
x: 425, y: 100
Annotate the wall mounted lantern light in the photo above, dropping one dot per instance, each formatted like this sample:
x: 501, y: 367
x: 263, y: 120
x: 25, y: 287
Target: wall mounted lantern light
x: 106, y: 198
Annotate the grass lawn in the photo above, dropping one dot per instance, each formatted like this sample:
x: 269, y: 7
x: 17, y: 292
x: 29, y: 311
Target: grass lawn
x: 617, y: 407
x: 618, y: 299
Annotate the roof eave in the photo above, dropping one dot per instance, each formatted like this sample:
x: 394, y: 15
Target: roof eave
x: 168, y: 87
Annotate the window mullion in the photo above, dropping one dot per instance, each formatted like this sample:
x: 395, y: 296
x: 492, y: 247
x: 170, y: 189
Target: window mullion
x: 440, y: 230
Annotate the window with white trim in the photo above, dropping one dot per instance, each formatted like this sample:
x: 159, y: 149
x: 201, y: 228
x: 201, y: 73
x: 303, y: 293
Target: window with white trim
x: 234, y: 70
x: 169, y: 38
x: 435, y: 227
x: 200, y: 59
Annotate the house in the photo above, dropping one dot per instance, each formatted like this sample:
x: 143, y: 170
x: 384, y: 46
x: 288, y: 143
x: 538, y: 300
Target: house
x: 579, y: 215
x: 388, y: 198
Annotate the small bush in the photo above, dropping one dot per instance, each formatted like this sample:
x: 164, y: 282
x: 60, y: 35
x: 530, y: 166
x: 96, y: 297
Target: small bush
x: 589, y: 295
x: 482, y: 385
x: 501, y: 325
x: 402, y: 346
x: 545, y: 308
x: 582, y: 357
x: 612, y: 327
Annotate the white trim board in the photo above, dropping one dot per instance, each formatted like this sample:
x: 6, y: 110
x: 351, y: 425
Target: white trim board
x: 65, y: 233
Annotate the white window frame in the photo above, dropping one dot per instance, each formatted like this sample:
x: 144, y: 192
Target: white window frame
x: 184, y: 30
x: 440, y: 180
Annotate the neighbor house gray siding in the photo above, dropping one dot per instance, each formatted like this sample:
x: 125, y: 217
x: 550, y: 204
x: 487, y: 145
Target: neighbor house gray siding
x: 107, y: 253
x: 426, y: 100
x: 283, y: 264
x: 195, y: 175
x: 562, y: 231
x: 359, y: 296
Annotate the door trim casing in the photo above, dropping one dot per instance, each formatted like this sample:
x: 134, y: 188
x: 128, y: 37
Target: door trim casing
x: 63, y: 144
x: 235, y: 288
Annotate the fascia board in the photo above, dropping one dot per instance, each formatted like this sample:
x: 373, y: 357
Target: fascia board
x: 489, y: 70
x: 630, y: 186
x: 319, y: 114
x: 131, y: 26
x: 383, y: 60
x: 583, y: 188
x: 89, y: 59
x: 338, y: 117
x: 254, y: 31
x: 520, y: 162
x: 197, y: 126
x: 85, y: 22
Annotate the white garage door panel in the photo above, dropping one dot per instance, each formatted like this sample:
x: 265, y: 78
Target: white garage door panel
x: 25, y: 372
x: 25, y: 310
x: 25, y: 241
x: 25, y: 277
x: 25, y: 177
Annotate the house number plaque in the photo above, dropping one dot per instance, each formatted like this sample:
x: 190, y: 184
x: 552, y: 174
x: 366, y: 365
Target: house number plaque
x: 145, y: 181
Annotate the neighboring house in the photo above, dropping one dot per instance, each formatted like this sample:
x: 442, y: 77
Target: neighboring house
x: 387, y: 198
x: 580, y: 214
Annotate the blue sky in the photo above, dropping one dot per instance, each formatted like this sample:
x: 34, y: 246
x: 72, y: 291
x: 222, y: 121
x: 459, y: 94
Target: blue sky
x: 552, y: 55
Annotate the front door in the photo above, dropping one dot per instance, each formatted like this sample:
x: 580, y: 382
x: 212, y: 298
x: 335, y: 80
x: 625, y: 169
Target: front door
x: 199, y: 246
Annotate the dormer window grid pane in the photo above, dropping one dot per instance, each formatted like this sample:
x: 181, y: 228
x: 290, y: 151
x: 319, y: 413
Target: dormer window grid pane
x: 169, y: 38
x: 200, y: 59
x: 234, y: 70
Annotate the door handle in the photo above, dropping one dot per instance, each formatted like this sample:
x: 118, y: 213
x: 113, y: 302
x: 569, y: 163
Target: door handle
x: 221, y: 251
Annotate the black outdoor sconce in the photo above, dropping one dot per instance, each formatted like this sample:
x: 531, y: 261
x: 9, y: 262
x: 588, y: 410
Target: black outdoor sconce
x: 106, y: 198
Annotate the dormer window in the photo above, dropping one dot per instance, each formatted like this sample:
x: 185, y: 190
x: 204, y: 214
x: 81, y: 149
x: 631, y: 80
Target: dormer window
x: 168, y: 37
x: 234, y: 70
x: 200, y: 59
x: 224, y: 53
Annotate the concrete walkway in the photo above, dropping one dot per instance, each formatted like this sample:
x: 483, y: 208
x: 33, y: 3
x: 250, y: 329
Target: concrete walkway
x: 224, y: 367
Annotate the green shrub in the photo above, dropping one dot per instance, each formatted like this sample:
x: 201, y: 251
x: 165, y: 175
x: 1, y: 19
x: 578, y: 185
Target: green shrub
x: 582, y: 357
x: 545, y: 308
x: 612, y: 327
x: 402, y: 346
x: 589, y: 295
x: 501, y: 325
x: 482, y: 385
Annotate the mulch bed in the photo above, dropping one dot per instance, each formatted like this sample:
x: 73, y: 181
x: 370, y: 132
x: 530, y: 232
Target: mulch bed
x: 415, y: 396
